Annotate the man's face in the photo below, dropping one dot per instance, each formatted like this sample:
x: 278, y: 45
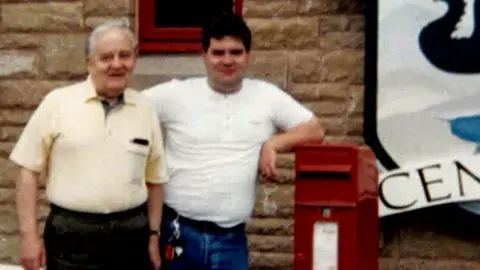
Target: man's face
x: 111, y: 62
x: 226, y: 61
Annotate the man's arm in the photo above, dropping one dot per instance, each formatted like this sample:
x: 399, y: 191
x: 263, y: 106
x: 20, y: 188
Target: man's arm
x: 26, y: 199
x: 305, y: 132
x: 155, y: 205
x: 31, y: 154
x: 299, y: 125
x: 155, y: 176
x: 285, y: 142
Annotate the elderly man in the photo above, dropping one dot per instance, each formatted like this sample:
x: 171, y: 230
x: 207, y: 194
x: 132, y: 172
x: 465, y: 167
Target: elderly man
x: 100, y: 146
x: 219, y: 130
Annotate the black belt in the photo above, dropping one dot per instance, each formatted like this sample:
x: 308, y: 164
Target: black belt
x: 203, y: 226
x: 55, y: 209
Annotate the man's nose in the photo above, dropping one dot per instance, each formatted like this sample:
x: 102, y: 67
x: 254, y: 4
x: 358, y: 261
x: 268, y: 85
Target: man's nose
x: 227, y: 59
x: 116, y: 62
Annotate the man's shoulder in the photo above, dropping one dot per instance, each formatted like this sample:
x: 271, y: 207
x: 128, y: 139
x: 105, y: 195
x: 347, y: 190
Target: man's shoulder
x: 261, y: 86
x: 138, y: 97
x: 65, y: 93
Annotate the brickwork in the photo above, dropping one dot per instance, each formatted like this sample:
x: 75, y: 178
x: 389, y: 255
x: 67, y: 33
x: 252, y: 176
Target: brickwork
x: 313, y: 49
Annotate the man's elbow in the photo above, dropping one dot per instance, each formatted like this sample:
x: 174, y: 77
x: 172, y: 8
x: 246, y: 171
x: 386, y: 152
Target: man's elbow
x: 315, y: 131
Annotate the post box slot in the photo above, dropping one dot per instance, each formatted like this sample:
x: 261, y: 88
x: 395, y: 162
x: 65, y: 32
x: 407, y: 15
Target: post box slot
x: 331, y: 172
x: 324, y: 175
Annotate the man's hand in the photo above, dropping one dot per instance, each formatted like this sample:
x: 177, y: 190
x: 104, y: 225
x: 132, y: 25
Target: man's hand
x: 32, y: 252
x: 154, y: 250
x: 268, y: 161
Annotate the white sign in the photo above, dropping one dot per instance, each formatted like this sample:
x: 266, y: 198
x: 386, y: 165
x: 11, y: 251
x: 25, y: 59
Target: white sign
x: 325, y: 246
x: 422, y: 108
x: 432, y: 183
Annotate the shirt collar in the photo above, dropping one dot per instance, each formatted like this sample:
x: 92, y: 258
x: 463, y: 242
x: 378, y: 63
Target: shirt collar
x: 90, y: 93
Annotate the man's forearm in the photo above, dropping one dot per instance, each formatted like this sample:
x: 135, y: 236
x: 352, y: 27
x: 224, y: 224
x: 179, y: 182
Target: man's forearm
x: 307, y: 132
x: 26, y: 199
x: 155, y: 205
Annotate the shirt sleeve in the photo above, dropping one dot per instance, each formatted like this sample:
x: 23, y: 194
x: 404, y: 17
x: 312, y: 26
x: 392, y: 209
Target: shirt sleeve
x: 155, y: 171
x: 33, y: 146
x: 288, y: 112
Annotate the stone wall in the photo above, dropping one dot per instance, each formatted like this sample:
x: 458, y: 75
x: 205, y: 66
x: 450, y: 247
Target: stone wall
x: 313, y: 49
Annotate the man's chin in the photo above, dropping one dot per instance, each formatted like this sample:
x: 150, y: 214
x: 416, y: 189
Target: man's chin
x: 117, y: 85
x: 231, y: 81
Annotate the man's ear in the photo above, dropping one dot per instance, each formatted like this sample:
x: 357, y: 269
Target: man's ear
x: 88, y: 62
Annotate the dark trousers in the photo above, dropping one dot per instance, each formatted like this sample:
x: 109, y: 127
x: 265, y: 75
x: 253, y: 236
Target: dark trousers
x: 81, y: 241
x: 205, y: 245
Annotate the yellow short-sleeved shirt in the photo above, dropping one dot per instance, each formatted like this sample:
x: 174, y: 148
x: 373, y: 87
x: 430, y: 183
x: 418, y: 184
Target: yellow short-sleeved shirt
x: 96, y: 161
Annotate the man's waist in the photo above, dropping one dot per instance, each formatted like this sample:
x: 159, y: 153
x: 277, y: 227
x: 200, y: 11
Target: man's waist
x: 201, y: 225
x: 101, y: 201
x: 117, y: 215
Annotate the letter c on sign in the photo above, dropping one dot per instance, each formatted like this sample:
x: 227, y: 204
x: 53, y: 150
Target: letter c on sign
x: 384, y: 200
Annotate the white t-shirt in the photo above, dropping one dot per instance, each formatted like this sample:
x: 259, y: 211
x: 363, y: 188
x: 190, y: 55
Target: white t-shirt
x: 213, y: 142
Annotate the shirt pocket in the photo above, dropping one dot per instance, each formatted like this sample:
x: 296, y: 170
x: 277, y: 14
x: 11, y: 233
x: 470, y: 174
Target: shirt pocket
x: 137, y: 156
x: 252, y: 128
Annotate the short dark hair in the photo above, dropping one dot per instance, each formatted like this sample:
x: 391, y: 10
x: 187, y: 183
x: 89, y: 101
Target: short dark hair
x: 226, y: 24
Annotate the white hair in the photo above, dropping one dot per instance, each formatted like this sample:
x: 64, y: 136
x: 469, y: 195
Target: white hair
x: 122, y: 23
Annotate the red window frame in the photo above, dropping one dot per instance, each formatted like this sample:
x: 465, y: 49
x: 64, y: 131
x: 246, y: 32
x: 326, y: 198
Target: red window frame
x: 154, y: 39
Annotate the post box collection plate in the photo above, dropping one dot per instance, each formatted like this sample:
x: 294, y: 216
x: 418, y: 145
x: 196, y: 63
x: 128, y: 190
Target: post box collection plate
x: 325, y: 246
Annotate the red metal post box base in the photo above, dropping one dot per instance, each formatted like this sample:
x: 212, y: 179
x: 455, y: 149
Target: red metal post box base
x: 336, y: 209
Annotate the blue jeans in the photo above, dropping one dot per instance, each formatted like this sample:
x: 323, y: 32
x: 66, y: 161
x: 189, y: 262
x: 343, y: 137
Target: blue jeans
x: 205, y: 250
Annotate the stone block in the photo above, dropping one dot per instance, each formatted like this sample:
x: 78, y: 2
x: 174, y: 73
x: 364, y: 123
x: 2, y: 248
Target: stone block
x: 306, y: 66
x: 20, y: 41
x: 275, y: 200
x: 170, y: 65
x: 52, y: 16
x: 319, y: 7
x: 341, y: 40
x: 328, y: 108
x: 92, y: 22
x: 270, y: 226
x: 9, y: 249
x: 334, y: 126
x: 25, y: 93
x: 333, y: 23
x: 65, y: 55
x: 8, y: 219
x: 286, y: 161
x: 263, y: 260
x: 8, y: 174
x: 357, y: 100
x: 141, y: 82
x: 355, y: 126
x: 14, y: 117
x: 343, y: 66
x: 413, y: 264
x: 7, y: 194
x: 269, y: 8
x: 6, y: 149
x: 10, y: 133
x: 269, y: 65
x: 335, y: 139
x: 436, y: 246
x: 319, y: 91
x: 263, y: 243
x: 291, y: 33
x: 108, y: 7
x: 18, y: 63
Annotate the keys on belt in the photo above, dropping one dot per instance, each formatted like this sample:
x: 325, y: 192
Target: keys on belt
x: 174, y: 248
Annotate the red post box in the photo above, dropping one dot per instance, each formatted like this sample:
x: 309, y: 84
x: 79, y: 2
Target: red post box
x: 336, y: 209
